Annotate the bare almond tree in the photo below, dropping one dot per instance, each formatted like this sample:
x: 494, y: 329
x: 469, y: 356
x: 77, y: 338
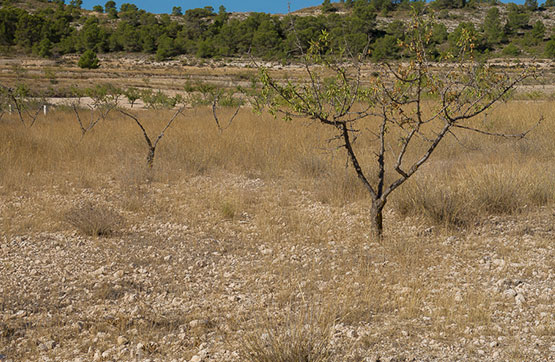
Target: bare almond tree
x: 151, y: 142
x: 27, y: 109
x: 222, y: 126
x: 404, y: 110
x: 104, y: 99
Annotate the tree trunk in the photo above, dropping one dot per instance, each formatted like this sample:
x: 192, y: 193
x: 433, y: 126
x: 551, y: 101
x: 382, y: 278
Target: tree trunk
x: 150, y: 158
x: 376, y: 219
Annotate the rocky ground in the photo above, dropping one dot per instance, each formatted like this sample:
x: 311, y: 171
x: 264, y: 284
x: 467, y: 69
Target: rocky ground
x: 223, y: 267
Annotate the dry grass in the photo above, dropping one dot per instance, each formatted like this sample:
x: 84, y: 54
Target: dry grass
x: 94, y: 220
x: 297, y: 336
x: 254, y: 244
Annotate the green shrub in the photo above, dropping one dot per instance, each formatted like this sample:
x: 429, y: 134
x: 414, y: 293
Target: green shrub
x: 88, y: 60
x: 511, y: 50
x: 550, y: 49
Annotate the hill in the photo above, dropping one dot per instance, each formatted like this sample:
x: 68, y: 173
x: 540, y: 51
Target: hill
x: 52, y: 29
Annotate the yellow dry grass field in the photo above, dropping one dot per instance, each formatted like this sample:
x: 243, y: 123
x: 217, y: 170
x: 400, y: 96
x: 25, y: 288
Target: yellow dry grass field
x: 253, y: 244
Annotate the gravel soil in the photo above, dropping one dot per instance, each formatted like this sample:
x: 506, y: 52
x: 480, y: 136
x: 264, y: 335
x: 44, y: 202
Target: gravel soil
x: 210, y: 267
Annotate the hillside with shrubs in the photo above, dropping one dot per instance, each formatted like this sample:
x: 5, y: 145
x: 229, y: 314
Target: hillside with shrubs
x: 53, y: 29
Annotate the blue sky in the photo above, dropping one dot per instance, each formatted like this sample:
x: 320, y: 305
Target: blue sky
x: 266, y: 6
x: 165, y: 6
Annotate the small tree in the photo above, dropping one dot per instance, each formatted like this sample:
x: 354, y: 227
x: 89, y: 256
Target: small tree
x: 110, y: 4
x: 45, y: 48
x: 550, y: 49
x: 493, y: 30
x: 132, y: 94
x: 537, y: 33
x: 88, y: 60
x: 27, y: 108
x: 104, y: 99
x: 151, y: 142
x: 405, y: 111
x: 531, y: 5
x: 327, y: 7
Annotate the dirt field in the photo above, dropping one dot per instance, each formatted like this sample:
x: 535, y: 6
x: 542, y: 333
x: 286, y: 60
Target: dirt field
x: 254, y: 244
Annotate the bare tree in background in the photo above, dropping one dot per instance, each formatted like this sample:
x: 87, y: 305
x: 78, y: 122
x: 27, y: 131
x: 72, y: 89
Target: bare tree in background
x: 404, y: 110
x: 104, y: 100
x: 152, y: 143
x: 26, y: 107
x: 222, y: 126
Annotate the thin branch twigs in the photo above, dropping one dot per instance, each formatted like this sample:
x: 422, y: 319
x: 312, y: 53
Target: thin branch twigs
x: 230, y: 121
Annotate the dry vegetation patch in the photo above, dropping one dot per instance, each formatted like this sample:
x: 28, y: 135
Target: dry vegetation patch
x: 254, y: 245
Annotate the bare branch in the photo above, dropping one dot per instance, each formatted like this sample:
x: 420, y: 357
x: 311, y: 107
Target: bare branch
x: 220, y: 128
x: 133, y: 117
x: 416, y: 165
x: 150, y: 144
x: 503, y: 135
x: 178, y: 112
x: 354, y: 160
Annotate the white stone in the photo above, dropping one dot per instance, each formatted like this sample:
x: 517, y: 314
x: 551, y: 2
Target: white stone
x: 99, y: 271
x: 122, y: 340
x: 50, y: 344
x: 510, y: 293
x: 498, y: 262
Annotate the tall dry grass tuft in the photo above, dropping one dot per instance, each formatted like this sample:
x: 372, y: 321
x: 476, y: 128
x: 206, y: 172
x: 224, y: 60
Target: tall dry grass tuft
x: 474, y: 176
x: 438, y: 202
x: 464, y: 196
x: 296, y: 336
x: 94, y: 220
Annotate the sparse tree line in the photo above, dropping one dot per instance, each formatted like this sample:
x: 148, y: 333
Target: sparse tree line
x: 104, y: 99
x: 204, y: 33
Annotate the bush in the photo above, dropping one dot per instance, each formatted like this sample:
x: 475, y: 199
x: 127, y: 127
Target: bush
x: 550, y: 49
x: 511, y: 50
x: 93, y: 220
x: 88, y: 60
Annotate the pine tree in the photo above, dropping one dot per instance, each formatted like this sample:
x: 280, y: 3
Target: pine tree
x: 88, y: 60
x: 493, y: 30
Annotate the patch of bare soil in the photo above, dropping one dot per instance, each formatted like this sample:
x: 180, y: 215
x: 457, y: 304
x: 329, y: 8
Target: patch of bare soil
x: 201, y: 267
